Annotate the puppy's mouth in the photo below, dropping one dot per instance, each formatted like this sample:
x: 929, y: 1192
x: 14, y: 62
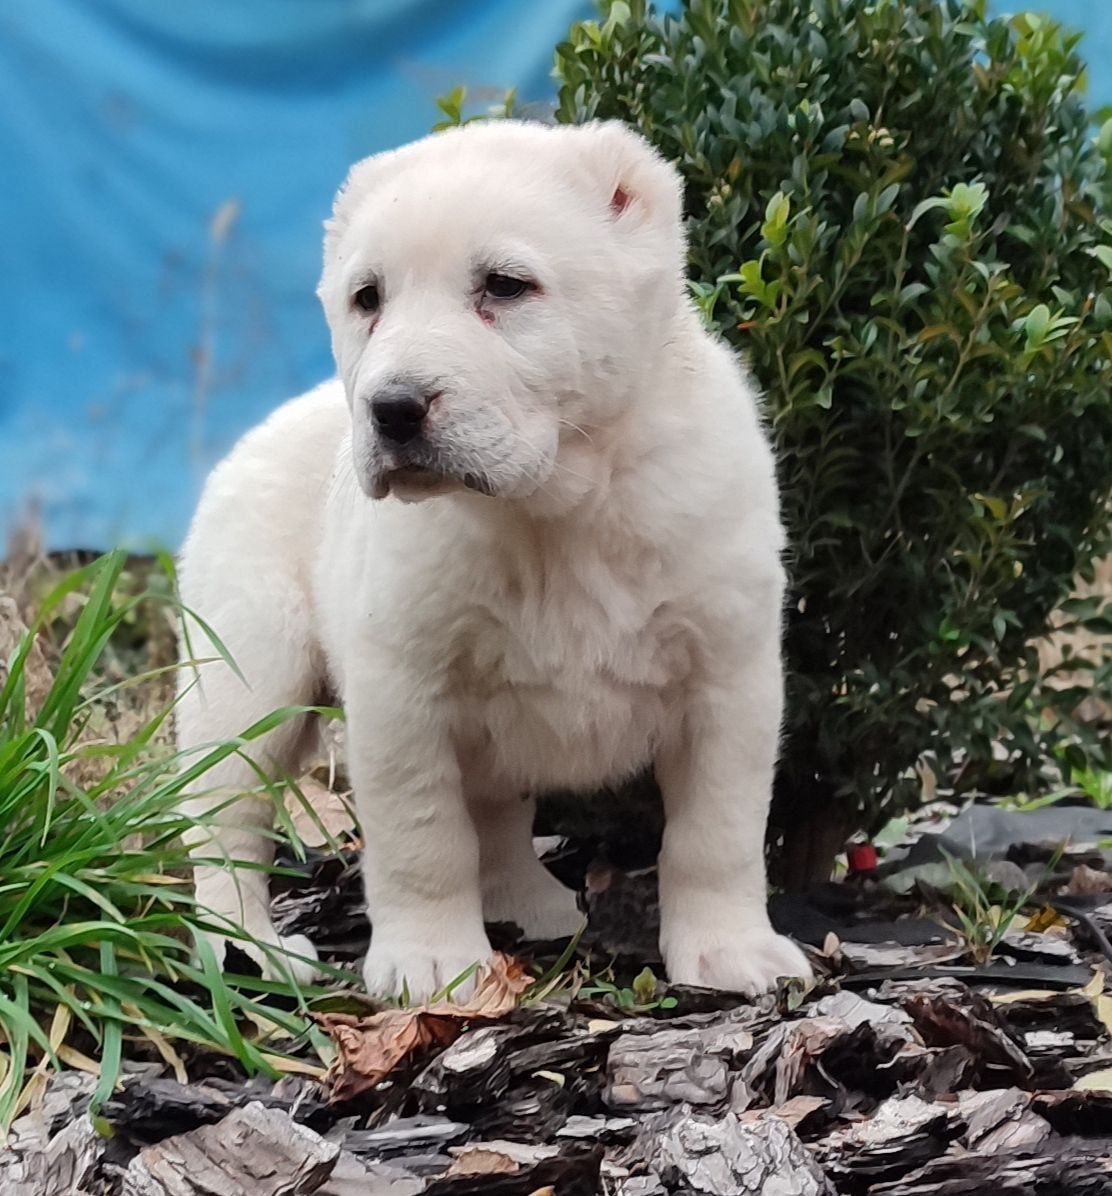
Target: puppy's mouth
x: 413, y: 482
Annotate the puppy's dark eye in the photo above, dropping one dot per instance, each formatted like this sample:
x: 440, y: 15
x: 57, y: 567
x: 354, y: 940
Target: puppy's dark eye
x: 505, y: 286
x: 366, y: 298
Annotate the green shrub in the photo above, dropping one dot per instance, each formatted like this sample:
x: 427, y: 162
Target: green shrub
x: 898, y: 212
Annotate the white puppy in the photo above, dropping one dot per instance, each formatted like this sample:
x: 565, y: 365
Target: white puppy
x: 530, y: 537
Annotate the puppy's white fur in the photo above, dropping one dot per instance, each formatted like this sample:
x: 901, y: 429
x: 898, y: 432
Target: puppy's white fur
x: 612, y: 599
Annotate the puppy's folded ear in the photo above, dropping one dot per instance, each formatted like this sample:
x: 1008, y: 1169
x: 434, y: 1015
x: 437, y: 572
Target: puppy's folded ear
x: 626, y: 172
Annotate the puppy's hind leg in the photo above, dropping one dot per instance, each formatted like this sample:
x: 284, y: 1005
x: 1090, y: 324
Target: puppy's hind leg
x: 265, y: 630
x: 516, y: 886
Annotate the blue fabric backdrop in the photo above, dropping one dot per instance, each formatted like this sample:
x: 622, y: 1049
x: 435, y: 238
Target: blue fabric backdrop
x: 165, y: 170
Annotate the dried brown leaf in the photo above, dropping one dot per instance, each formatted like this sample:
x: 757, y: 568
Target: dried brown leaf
x: 498, y: 990
x: 1086, y: 880
x: 480, y: 1161
x: 330, y: 811
x: 1043, y: 920
x: 368, y: 1049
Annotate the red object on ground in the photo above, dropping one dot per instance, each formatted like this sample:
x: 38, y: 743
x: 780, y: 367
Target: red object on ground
x: 862, y: 858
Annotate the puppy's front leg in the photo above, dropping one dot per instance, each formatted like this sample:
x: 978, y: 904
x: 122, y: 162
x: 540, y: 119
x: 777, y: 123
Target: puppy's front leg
x: 715, y: 773
x: 421, y: 852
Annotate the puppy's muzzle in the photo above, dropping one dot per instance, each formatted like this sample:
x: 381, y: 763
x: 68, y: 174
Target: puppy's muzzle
x: 398, y: 412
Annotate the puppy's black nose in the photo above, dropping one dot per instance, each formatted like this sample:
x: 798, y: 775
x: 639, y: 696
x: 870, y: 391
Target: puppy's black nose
x: 398, y: 413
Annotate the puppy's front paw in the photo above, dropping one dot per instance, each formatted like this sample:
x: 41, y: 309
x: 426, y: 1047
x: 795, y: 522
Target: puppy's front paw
x: 419, y: 968
x: 744, y: 961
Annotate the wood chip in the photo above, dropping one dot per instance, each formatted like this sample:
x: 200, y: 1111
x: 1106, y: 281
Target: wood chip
x: 658, y: 1070
x: 727, y: 1156
x: 254, y: 1151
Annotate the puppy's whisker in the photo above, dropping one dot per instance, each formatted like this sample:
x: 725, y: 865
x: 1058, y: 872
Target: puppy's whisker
x: 556, y: 466
x: 567, y: 423
x: 343, y: 480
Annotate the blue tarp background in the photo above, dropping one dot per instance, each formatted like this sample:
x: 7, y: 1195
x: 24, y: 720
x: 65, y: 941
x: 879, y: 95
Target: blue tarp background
x: 164, y: 171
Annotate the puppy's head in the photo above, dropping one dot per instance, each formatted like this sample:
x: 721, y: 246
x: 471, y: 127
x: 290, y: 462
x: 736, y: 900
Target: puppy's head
x: 493, y: 292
